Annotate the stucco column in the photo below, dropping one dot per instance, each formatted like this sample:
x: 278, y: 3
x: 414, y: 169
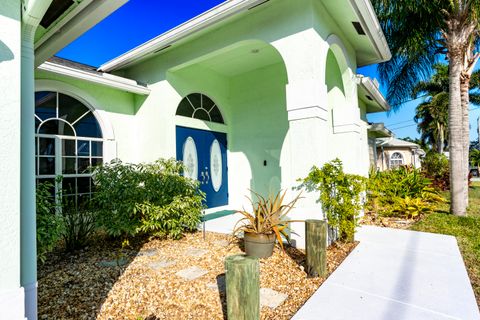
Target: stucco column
x: 307, y: 146
x: 11, y: 293
x: 304, y: 55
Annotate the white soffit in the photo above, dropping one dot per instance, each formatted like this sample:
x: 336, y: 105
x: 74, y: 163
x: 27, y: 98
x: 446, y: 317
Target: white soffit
x: 373, y: 91
x: 368, y: 19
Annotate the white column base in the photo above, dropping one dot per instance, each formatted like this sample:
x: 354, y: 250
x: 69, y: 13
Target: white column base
x: 12, y: 304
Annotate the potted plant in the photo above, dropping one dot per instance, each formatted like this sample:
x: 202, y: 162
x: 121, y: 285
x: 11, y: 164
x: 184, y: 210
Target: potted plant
x: 266, y: 223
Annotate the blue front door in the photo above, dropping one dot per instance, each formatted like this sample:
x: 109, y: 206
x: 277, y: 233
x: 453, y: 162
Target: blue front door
x: 204, y: 154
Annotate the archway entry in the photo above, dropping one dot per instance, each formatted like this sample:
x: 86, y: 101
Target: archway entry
x: 203, y: 152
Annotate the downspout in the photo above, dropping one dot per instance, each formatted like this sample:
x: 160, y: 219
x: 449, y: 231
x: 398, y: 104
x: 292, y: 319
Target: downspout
x: 375, y: 156
x: 32, y: 13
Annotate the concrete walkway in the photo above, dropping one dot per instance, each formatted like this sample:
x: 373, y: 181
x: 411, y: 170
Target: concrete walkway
x: 396, y: 274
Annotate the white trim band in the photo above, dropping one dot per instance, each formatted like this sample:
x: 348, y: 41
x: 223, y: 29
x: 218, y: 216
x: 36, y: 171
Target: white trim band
x: 105, y: 79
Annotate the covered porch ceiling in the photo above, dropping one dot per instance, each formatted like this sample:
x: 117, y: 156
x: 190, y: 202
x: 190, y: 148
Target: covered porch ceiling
x: 242, y: 57
x: 355, y: 18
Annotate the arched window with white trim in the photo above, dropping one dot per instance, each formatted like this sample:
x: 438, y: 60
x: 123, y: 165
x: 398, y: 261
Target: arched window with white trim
x: 396, y: 160
x: 68, y: 142
x: 199, y: 106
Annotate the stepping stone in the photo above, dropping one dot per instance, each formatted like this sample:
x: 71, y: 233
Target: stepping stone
x: 271, y: 298
x: 218, y: 285
x: 147, y: 253
x: 191, y: 273
x: 113, y: 263
x: 161, y: 264
x: 195, y: 252
x: 221, y: 243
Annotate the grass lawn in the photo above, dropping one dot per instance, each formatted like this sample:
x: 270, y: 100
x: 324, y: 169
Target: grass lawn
x: 465, y: 229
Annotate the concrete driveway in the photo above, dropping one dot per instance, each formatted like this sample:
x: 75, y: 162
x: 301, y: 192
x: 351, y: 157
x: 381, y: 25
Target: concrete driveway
x: 394, y: 275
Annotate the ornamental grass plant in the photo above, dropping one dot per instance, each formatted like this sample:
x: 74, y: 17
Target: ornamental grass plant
x: 268, y: 216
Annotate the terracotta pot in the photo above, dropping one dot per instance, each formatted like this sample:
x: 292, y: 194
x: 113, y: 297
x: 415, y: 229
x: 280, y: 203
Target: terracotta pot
x: 258, y: 244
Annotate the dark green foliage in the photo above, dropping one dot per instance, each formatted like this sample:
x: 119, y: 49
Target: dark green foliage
x: 49, y: 223
x: 152, y: 198
x: 340, y: 196
x: 402, y: 192
x: 436, y: 168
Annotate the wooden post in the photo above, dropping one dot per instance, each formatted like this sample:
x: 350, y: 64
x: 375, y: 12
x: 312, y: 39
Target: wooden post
x: 316, y: 247
x: 242, y: 277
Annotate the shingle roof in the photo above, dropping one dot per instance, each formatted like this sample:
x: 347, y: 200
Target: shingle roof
x: 82, y: 67
x: 394, y: 142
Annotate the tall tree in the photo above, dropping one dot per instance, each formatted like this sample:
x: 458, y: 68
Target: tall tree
x: 419, y: 33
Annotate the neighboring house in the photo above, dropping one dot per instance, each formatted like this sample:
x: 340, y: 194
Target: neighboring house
x: 376, y: 131
x: 392, y: 152
x: 250, y: 95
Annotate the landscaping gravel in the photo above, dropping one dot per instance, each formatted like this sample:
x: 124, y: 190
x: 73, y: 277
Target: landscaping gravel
x: 77, y: 286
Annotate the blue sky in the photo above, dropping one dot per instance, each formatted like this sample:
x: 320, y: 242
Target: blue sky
x: 141, y: 20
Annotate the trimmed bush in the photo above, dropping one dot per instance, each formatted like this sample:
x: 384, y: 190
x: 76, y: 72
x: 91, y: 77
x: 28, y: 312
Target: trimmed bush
x: 402, y: 192
x: 340, y: 196
x: 150, y: 198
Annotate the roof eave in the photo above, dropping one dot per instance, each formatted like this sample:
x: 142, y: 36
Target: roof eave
x: 381, y: 129
x: 363, y: 9
x: 368, y: 20
x: 73, y: 25
x: 204, y: 20
x: 372, y: 89
x: 105, y: 79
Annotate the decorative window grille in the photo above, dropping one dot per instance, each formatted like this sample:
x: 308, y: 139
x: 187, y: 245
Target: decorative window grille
x: 68, y: 143
x: 199, y: 106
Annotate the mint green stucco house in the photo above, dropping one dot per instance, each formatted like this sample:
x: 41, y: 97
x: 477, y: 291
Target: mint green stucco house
x: 250, y: 95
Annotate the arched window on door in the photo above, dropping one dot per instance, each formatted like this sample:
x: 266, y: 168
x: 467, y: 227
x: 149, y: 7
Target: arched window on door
x: 68, y: 142
x: 396, y: 160
x: 199, y: 106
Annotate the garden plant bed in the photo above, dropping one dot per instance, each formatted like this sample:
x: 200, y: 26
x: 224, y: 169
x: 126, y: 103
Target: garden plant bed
x: 88, y: 284
x: 372, y: 219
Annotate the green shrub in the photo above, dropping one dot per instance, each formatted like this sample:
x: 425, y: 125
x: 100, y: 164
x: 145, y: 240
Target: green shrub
x: 402, y: 192
x: 49, y: 224
x: 402, y: 182
x: 411, y: 208
x: 152, y: 198
x: 435, y: 166
x: 80, y: 225
x: 340, y: 196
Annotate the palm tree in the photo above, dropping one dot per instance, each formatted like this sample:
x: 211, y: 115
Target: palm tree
x: 420, y: 33
x: 431, y: 115
x: 432, y: 121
